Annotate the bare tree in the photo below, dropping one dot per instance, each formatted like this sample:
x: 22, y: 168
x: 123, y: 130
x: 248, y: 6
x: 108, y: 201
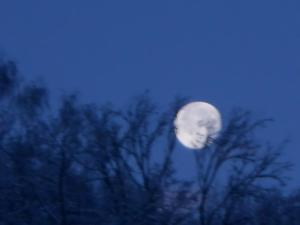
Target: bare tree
x: 79, y: 164
x: 235, y: 167
x: 130, y: 154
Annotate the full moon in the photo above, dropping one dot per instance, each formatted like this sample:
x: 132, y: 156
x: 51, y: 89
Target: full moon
x: 196, y: 123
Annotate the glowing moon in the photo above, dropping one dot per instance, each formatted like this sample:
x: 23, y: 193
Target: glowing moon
x: 195, y: 123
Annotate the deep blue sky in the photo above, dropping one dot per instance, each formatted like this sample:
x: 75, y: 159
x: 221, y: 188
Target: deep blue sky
x: 229, y: 53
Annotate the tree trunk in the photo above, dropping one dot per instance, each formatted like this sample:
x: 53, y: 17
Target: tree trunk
x: 61, y: 194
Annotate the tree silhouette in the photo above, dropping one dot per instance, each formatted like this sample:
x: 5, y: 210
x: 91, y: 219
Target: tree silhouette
x: 235, y: 167
x: 84, y: 164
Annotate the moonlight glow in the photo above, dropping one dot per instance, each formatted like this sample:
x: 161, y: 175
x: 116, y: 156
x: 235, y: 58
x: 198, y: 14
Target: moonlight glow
x: 195, y: 123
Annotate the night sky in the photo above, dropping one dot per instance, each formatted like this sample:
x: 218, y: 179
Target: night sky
x: 229, y: 53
